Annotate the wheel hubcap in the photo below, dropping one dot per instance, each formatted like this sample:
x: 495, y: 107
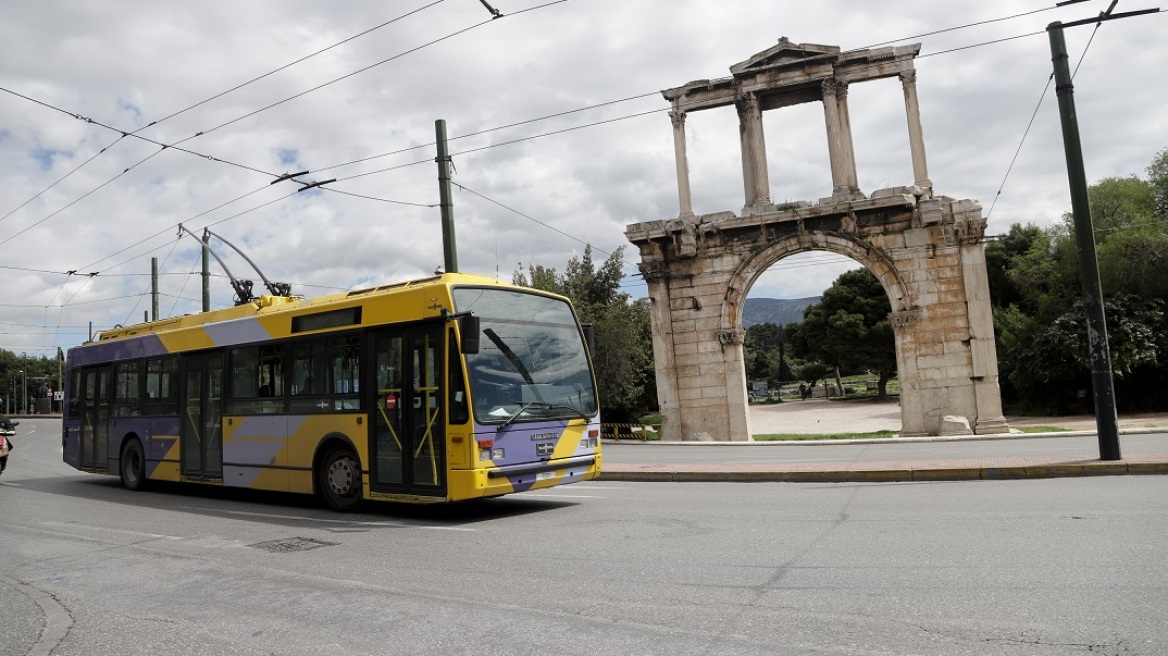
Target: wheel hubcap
x: 340, y: 476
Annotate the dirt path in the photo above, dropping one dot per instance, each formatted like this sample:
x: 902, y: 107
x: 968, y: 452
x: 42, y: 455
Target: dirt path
x: 823, y: 416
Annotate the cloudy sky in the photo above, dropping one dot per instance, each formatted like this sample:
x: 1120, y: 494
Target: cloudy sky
x: 121, y: 120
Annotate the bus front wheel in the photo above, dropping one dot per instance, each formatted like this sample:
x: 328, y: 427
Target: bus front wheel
x: 340, y: 480
x: 132, y: 465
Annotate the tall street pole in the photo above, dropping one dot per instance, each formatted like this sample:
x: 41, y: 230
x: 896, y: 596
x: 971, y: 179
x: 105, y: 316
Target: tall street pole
x: 206, y: 273
x: 1102, y: 382
x: 446, y: 203
x: 154, y: 289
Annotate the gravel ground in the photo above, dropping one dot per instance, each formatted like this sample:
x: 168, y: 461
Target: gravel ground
x: 824, y: 416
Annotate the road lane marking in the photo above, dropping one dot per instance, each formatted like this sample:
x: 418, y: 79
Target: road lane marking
x: 348, y: 522
x: 108, y: 529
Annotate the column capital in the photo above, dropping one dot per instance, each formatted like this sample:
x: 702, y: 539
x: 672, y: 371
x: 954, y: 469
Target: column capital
x: 909, y: 77
x: 969, y: 232
x: 905, y: 318
x: 746, y: 102
x: 677, y: 117
x: 833, y: 86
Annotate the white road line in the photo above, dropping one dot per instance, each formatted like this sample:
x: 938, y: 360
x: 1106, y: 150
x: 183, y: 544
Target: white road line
x: 347, y: 522
x: 106, y: 529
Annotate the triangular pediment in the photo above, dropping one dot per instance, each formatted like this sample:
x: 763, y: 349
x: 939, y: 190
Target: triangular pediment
x: 783, y: 53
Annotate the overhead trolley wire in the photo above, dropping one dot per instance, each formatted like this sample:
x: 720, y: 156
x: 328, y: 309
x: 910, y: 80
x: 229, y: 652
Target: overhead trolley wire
x: 176, y: 145
x: 550, y: 116
x: 291, y: 64
x: 215, y: 97
x: 369, y: 67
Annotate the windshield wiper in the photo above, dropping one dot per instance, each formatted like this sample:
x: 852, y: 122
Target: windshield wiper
x: 512, y: 358
x: 542, y: 405
x: 560, y: 406
x: 523, y: 408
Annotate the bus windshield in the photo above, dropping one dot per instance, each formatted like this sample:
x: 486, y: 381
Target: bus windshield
x: 532, y: 363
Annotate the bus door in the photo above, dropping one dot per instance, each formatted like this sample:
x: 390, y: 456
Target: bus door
x: 95, y: 416
x: 409, y: 431
x: 201, y: 434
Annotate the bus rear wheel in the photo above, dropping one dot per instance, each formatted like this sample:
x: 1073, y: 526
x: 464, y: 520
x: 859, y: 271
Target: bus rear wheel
x: 132, y: 465
x: 339, y: 480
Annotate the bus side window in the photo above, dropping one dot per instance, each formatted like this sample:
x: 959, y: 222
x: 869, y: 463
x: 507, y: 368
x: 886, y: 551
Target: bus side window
x: 161, y: 387
x: 128, y: 389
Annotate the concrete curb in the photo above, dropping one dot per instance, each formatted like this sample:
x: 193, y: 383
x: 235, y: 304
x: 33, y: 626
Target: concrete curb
x: 713, y: 474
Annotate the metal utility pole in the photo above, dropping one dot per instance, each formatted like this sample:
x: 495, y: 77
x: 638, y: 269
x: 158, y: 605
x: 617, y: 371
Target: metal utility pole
x: 446, y: 204
x: 154, y: 289
x: 1102, y: 380
x: 206, y: 272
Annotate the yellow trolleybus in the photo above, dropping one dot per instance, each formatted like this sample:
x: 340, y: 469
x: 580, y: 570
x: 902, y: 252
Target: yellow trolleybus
x: 442, y: 389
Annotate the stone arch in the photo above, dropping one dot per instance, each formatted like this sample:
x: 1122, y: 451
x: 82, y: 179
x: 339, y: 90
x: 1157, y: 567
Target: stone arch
x: 840, y: 244
x: 926, y: 250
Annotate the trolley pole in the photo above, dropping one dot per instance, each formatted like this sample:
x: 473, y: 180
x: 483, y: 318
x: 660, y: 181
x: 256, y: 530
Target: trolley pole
x: 1102, y: 382
x: 446, y: 204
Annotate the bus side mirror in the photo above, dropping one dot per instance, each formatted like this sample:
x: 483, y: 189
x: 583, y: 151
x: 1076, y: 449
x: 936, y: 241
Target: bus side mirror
x: 468, y: 328
x: 589, y: 337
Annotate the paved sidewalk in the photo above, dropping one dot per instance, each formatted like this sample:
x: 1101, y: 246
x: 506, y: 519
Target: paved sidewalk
x: 821, y: 417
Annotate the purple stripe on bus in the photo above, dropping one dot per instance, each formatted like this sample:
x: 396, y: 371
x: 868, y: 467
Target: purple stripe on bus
x: 268, y: 425
x: 253, y: 452
x: 239, y: 331
x: 240, y: 476
x: 119, y: 349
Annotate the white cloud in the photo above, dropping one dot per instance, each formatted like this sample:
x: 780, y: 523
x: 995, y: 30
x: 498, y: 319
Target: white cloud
x: 147, y: 60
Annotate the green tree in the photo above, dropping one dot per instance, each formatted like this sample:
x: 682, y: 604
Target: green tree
x: 848, y: 328
x: 1000, y: 256
x: 24, y: 379
x: 812, y: 372
x: 763, y: 353
x: 1038, y: 315
x: 1158, y: 179
x: 624, y: 342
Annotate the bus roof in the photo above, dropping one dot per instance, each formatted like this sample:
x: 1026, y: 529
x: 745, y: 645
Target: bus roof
x: 268, y: 306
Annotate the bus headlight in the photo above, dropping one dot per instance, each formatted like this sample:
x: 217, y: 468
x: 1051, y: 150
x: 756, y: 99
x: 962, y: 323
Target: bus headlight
x: 484, y: 455
x: 497, y: 454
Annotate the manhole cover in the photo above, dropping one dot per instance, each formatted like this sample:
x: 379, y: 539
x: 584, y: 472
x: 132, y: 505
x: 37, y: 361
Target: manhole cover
x: 288, y: 545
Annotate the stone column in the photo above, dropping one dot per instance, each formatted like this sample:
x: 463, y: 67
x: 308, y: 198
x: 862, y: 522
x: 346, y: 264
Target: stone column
x: 983, y: 350
x: 685, y: 200
x: 737, y: 392
x: 835, y: 145
x: 916, y: 136
x: 912, y: 412
x: 754, y: 165
x: 664, y: 360
x: 850, y: 177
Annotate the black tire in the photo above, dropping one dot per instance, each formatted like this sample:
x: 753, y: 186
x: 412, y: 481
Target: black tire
x: 339, y: 480
x: 132, y: 466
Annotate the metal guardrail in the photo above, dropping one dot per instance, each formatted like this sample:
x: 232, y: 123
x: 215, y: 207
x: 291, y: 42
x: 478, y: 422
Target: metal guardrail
x: 637, y: 431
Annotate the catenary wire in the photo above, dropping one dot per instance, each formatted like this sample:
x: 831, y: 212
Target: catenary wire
x: 215, y: 97
x: 934, y: 53
x: 541, y: 118
x: 176, y: 145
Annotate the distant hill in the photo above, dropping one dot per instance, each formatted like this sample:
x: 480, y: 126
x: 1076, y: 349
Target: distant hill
x: 778, y: 311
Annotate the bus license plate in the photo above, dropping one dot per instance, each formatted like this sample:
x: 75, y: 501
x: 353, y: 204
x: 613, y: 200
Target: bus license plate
x: 544, y: 476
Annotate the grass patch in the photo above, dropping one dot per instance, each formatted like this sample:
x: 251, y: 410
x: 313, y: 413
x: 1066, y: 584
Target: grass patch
x: 799, y: 437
